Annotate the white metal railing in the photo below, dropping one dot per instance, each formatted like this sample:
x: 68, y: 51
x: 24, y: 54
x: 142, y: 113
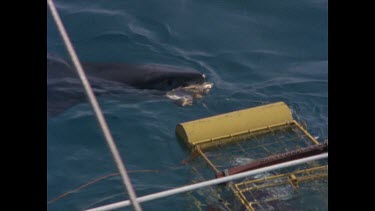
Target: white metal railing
x: 95, y: 105
x: 209, y: 182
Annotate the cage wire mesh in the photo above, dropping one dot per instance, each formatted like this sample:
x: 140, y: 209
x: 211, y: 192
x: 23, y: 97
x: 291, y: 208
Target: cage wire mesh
x: 282, y: 189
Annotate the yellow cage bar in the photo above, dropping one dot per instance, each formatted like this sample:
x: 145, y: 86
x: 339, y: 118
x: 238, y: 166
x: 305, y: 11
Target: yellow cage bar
x: 233, y: 124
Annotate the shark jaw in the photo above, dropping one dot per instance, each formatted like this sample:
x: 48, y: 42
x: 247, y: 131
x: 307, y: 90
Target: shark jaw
x: 185, y: 95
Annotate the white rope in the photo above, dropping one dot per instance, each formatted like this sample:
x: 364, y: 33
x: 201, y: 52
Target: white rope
x: 209, y: 182
x: 96, y: 107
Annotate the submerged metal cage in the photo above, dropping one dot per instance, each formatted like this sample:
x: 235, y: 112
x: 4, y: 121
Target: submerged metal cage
x: 252, y: 138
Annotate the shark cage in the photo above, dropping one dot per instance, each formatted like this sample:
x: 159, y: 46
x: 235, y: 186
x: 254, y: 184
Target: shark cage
x: 249, y: 139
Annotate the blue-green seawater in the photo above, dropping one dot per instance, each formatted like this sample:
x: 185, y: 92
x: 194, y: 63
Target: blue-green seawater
x: 254, y: 52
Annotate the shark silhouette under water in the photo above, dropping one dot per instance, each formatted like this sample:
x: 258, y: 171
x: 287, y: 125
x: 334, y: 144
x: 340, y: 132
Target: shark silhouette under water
x: 64, y: 90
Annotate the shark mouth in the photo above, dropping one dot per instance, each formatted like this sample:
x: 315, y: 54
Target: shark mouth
x: 184, y: 96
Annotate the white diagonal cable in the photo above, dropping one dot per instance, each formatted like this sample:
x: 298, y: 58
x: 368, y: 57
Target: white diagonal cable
x: 191, y: 187
x: 95, y: 105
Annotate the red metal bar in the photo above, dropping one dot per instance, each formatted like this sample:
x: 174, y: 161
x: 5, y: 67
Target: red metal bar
x: 275, y: 159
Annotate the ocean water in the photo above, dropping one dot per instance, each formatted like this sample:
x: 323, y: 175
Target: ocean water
x: 254, y: 52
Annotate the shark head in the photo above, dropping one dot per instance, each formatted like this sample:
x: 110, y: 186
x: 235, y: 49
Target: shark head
x: 166, y: 81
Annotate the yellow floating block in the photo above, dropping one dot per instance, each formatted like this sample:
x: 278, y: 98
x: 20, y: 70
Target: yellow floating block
x: 233, y: 124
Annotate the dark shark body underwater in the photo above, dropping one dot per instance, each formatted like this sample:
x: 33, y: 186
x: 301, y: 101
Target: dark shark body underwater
x: 64, y: 89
